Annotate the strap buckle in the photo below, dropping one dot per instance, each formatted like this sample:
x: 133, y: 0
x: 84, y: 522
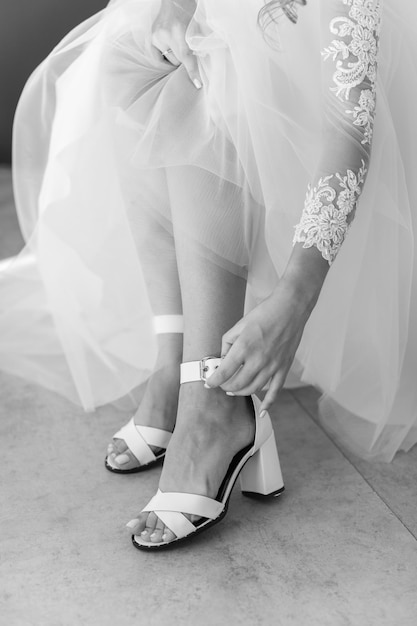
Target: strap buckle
x: 207, y: 368
x: 192, y: 371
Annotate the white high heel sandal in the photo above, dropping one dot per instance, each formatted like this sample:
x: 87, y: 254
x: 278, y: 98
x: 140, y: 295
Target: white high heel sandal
x: 257, y: 464
x: 139, y: 438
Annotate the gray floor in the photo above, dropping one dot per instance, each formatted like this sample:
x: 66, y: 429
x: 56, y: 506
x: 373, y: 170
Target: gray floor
x: 338, y: 548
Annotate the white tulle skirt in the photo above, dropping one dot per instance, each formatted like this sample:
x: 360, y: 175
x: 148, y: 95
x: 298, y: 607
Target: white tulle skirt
x: 113, y: 145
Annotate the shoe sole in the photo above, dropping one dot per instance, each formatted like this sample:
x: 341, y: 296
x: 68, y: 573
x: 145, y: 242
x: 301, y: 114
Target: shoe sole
x: 135, y: 470
x: 263, y: 496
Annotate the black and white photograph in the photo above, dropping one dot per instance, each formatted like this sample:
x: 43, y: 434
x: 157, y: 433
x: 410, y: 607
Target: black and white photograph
x: 208, y: 312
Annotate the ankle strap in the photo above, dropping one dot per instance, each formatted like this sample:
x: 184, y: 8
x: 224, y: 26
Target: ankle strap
x: 199, y: 370
x: 168, y: 324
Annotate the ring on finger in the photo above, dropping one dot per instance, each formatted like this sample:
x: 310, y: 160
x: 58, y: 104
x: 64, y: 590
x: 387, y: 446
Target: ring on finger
x: 170, y: 60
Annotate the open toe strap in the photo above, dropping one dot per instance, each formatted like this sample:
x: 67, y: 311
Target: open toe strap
x: 171, y: 508
x: 139, y: 439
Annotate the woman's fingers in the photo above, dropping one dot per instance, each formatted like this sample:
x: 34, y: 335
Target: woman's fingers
x: 175, y: 50
x: 184, y: 55
x: 189, y: 61
x: 251, y: 376
x: 238, y: 362
x: 229, y: 338
x: 245, y: 384
x: 169, y: 36
x: 229, y: 366
x: 240, y: 374
x: 169, y: 56
x: 275, y: 386
x: 243, y: 380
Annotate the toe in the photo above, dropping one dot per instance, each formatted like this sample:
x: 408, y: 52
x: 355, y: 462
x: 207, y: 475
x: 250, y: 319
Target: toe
x: 116, y: 446
x: 168, y: 535
x: 150, y: 526
x: 124, y: 461
x: 119, y: 446
x: 137, y: 525
x: 156, y: 536
x: 127, y: 460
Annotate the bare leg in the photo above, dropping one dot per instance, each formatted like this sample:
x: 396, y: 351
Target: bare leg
x: 158, y: 407
x: 211, y: 427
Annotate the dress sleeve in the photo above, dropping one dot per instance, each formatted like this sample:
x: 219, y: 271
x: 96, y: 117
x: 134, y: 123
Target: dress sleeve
x: 350, y: 37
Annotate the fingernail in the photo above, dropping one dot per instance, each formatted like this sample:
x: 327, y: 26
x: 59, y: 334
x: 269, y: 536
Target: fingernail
x: 144, y: 533
x: 164, y: 537
x: 262, y: 414
x: 230, y: 393
x: 206, y: 386
x: 132, y: 523
x: 122, y: 459
x: 197, y: 83
x: 153, y: 536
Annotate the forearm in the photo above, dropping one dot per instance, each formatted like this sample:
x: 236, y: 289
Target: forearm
x: 304, y: 276
x: 350, y: 38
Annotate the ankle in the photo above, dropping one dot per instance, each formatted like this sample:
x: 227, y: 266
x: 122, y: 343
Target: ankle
x: 208, y: 418
x: 212, y: 404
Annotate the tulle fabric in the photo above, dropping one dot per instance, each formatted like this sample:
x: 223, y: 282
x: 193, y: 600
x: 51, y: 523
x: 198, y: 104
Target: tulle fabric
x: 113, y: 146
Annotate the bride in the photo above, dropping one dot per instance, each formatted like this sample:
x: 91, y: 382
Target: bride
x: 195, y: 183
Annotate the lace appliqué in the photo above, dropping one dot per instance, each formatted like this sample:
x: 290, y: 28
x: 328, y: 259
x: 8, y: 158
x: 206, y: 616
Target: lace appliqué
x: 328, y: 212
x: 330, y: 205
x: 356, y: 61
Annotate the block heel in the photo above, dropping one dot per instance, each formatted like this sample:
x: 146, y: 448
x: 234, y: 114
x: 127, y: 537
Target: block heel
x: 261, y: 475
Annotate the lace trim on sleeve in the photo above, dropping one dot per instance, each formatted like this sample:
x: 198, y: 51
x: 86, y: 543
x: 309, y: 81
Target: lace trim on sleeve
x: 356, y: 60
x: 328, y: 213
x: 330, y: 204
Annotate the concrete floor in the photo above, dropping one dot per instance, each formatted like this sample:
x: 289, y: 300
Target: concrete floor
x: 337, y: 549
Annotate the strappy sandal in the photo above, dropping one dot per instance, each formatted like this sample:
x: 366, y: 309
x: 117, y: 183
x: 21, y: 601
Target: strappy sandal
x: 257, y: 464
x: 139, y: 438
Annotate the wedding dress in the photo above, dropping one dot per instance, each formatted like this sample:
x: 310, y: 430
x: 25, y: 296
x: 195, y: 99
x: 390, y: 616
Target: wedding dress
x: 112, y: 145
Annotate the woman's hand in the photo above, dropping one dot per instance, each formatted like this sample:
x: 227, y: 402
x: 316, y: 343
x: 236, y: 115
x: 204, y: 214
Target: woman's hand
x: 261, y: 347
x: 168, y: 36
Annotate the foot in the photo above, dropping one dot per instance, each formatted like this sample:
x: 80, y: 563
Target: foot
x: 211, y: 429
x: 158, y: 407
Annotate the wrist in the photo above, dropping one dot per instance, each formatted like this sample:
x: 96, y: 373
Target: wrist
x: 304, y: 276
